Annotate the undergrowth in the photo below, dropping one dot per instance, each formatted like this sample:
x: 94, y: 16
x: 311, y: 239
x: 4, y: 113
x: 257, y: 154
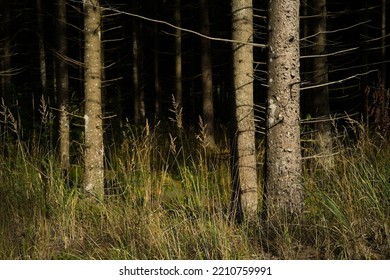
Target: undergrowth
x: 167, y: 197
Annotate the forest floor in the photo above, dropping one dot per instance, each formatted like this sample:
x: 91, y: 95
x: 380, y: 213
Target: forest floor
x: 167, y: 197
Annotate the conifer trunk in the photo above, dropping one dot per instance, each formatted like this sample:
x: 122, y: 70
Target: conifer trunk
x: 94, y: 171
x: 283, y: 152
x: 62, y: 86
x: 244, y: 172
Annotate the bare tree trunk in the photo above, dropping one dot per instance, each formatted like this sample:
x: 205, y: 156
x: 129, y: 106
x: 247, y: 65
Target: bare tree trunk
x: 383, y: 45
x: 62, y: 86
x: 307, y: 64
x: 364, y: 88
x: 320, y: 96
x: 5, y: 56
x: 178, y: 64
x: 283, y: 152
x: 41, y: 46
x: 94, y: 149
x: 244, y: 172
x: 139, y: 99
x: 207, y: 76
x: 384, y: 78
x: 157, y: 84
x: 136, y: 79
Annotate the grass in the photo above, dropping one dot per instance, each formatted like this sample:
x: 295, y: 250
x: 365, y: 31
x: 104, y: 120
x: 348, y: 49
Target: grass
x: 167, y: 197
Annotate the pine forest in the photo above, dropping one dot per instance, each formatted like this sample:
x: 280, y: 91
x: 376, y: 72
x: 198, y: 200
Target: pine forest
x: 194, y: 129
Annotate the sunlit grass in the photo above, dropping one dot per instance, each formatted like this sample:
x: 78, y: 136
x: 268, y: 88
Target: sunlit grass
x: 167, y: 197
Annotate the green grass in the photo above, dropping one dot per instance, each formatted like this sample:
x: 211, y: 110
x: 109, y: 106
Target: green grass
x: 168, y: 198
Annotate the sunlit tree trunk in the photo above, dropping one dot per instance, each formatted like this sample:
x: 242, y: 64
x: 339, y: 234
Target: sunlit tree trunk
x: 62, y: 86
x: 244, y: 181
x: 320, y: 95
x: 94, y: 150
x: 207, y: 76
x: 283, y: 152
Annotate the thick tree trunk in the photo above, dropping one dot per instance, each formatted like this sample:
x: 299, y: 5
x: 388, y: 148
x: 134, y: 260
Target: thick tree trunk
x: 320, y: 96
x: 62, y: 86
x: 283, y: 153
x: 207, y: 76
x: 244, y: 181
x: 94, y: 150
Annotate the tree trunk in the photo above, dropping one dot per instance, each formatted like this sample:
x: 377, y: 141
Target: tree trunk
x: 178, y: 64
x: 62, y: 86
x: 5, y: 55
x: 207, y: 76
x: 384, y: 78
x: 244, y: 173
x: 94, y: 150
x: 157, y: 83
x: 283, y: 154
x: 320, y: 95
x: 383, y: 46
x: 306, y: 72
x: 41, y: 46
x: 138, y: 91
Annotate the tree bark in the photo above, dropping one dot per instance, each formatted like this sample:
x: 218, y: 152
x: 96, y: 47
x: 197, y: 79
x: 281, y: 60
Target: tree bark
x: 244, y: 172
x: 5, y: 55
x: 138, y: 91
x: 383, y: 45
x: 62, y: 87
x: 178, y: 62
x: 94, y: 150
x: 207, y: 76
x: 283, y: 154
x: 41, y: 46
x: 320, y: 95
x: 156, y: 77
x: 384, y: 78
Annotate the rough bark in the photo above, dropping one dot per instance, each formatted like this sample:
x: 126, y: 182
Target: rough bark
x: 207, y: 76
x: 62, y: 86
x: 94, y: 171
x: 320, y: 95
x: 283, y: 153
x: 244, y: 181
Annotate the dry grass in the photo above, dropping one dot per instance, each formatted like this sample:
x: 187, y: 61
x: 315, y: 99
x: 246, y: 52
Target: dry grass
x: 167, y: 197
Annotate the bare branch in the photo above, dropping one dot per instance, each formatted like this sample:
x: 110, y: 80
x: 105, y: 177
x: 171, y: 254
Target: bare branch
x: 337, y: 30
x: 188, y: 30
x: 329, y: 54
x: 339, y: 81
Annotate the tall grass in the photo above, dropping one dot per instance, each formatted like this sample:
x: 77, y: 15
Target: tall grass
x: 167, y: 197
